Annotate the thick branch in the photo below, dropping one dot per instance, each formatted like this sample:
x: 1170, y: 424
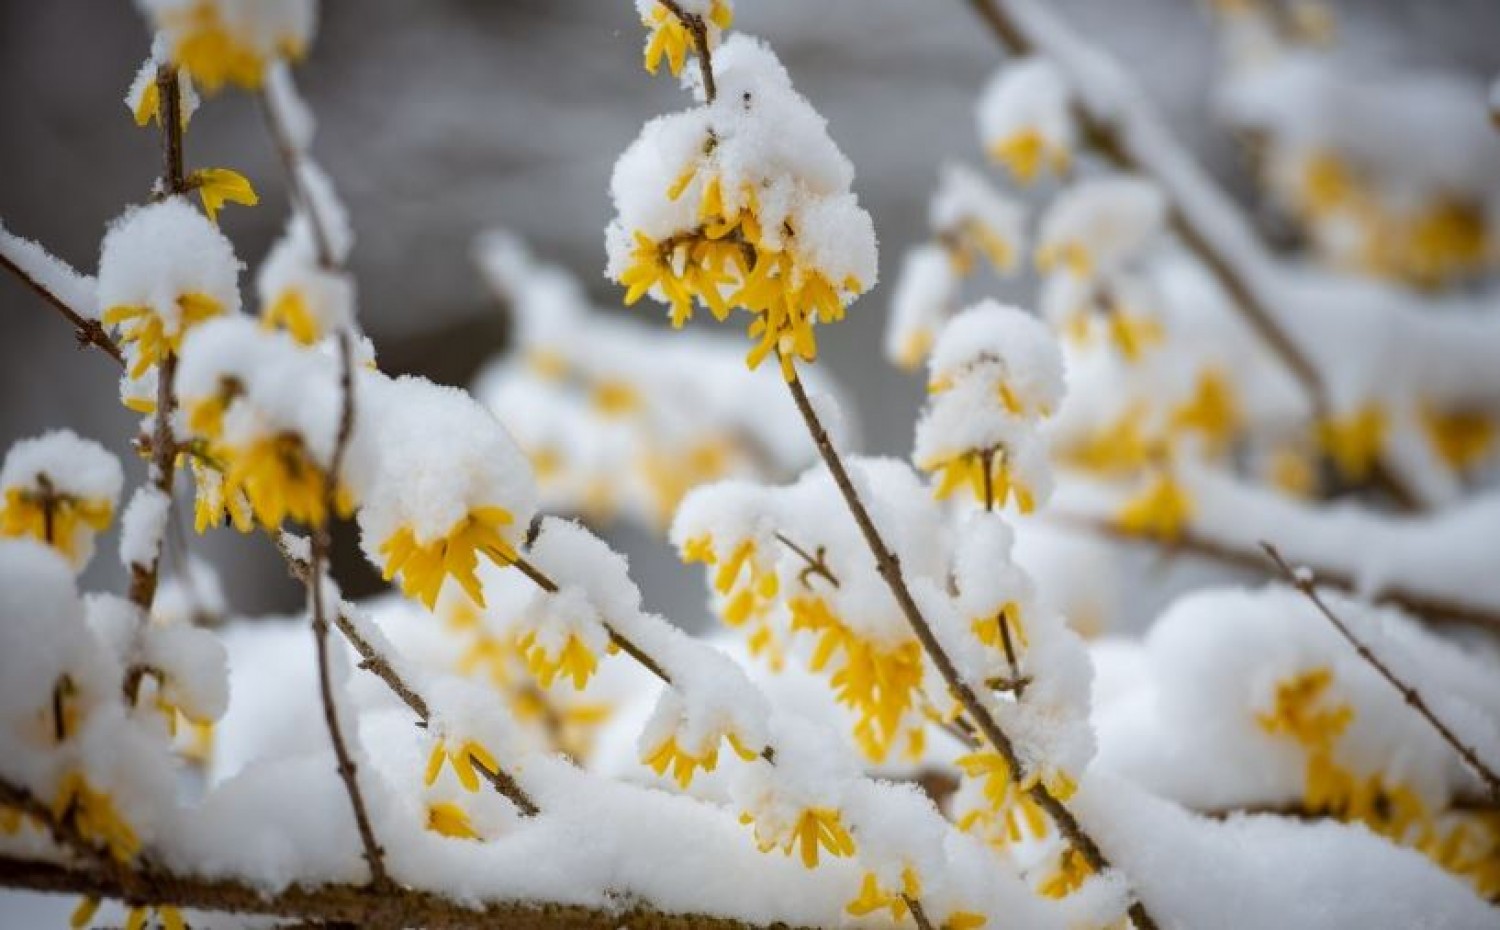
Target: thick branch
x: 889, y: 568
x: 344, y: 904
x: 1432, y: 608
x: 89, y: 332
x: 1306, y: 582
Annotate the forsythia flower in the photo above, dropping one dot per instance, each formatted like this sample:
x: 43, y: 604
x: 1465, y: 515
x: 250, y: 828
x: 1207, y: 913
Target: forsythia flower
x: 232, y: 41
x: 815, y: 829
x: 1072, y: 871
x: 466, y: 760
x: 574, y: 660
x: 60, y: 490
x: 1007, y: 806
x: 1354, y: 442
x: 1161, y: 510
x: 684, y: 764
x: 153, y: 336
x: 216, y: 186
x: 1212, y: 411
x: 873, y: 897
x: 423, y: 566
x: 96, y: 817
x: 279, y: 479
x: 1301, y: 713
x: 51, y: 518
x: 1462, y: 439
x: 986, y: 476
x: 1024, y: 119
x: 671, y: 39
x: 448, y: 819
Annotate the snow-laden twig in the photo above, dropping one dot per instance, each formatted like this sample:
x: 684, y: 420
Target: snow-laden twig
x: 1306, y: 582
x: 889, y: 568
x: 321, y: 541
x: 89, y: 332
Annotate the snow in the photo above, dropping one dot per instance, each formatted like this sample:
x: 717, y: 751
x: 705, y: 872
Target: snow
x: 1028, y: 95
x: 76, y: 291
x: 142, y: 526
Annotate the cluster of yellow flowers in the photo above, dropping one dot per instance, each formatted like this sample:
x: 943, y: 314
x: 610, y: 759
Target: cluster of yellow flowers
x: 43, y: 514
x: 668, y: 37
x: 814, y: 830
x: 1306, y: 712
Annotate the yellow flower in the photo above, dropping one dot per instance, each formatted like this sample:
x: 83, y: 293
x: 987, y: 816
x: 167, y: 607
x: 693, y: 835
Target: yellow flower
x: 1004, y: 625
x: 1300, y: 711
x: 1354, y: 442
x: 816, y: 829
x: 218, y: 185
x: 467, y: 760
x: 1072, y: 871
x: 424, y: 566
x: 670, y: 754
x: 995, y: 484
x: 669, y: 38
x: 450, y: 820
x: 279, y: 479
x: 652, y: 266
x: 52, y: 518
x: 1161, y: 511
x: 169, y: 918
x: 83, y: 914
x: 1026, y: 152
x: 143, y: 328
x: 290, y: 312
x: 965, y: 920
x: 615, y: 398
x: 1133, y: 334
x: 148, y: 106
x: 872, y: 897
x: 1007, y: 807
x: 1212, y: 411
x: 574, y: 660
x: 1460, y: 438
x: 211, y: 51
x: 1119, y: 448
x: 96, y: 817
x: 213, y: 504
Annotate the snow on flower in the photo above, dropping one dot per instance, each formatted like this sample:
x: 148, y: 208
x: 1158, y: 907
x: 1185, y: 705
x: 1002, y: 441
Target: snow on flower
x: 1024, y: 119
x: 222, y: 42
x: 743, y: 203
x: 61, y: 490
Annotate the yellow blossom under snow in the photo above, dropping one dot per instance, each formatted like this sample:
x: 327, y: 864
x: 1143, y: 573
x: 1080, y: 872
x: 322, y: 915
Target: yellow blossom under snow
x: 424, y: 566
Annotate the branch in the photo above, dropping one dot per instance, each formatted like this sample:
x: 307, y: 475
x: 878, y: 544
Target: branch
x: 320, y: 545
x: 695, y: 25
x: 816, y: 565
x: 89, y: 332
x: 169, y: 93
x: 291, y: 164
x: 1306, y: 582
x: 889, y: 568
x: 353, y: 905
x: 378, y: 665
x: 1432, y: 608
x: 163, y: 474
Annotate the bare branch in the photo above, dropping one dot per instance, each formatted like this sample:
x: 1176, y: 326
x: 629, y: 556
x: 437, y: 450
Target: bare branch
x: 889, y: 568
x: 1306, y: 582
x: 89, y: 332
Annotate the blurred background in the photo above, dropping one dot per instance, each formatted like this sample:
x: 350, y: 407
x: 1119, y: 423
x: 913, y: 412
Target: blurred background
x: 442, y: 118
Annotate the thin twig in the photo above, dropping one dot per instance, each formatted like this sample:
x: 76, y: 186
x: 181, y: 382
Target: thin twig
x: 374, y: 855
x: 291, y: 164
x: 169, y: 97
x: 917, y: 913
x: 64, y: 832
x: 378, y: 665
x: 89, y: 332
x: 889, y: 568
x: 816, y: 565
x: 699, y: 29
x: 353, y: 905
x: 1306, y: 582
x: 1429, y: 607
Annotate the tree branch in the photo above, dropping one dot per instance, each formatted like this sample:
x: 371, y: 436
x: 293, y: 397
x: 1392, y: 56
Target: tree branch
x: 699, y: 29
x: 1306, y: 582
x: 89, y: 332
x: 354, y: 905
x: 374, y: 855
x: 1431, y: 608
x: 889, y: 568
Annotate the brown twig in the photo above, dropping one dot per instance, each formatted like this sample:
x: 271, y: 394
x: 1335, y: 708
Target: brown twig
x: 378, y: 665
x: 145, y: 578
x: 1306, y: 582
x: 169, y: 96
x: 321, y: 542
x: 89, y: 332
x: 353, y: 905
x: 62, y: 829
x: 695, y: 25
x: 1432, y: 608
x: 816, y: 565
x: 889, y: 568
x: 291, y: 163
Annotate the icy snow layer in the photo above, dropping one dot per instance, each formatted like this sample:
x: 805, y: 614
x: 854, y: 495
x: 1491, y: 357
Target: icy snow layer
x: 1441, y: 350
x: 1253, y: 873
x: 53, y: 274
x: 1447, y: 558
x: 1182, y: 715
